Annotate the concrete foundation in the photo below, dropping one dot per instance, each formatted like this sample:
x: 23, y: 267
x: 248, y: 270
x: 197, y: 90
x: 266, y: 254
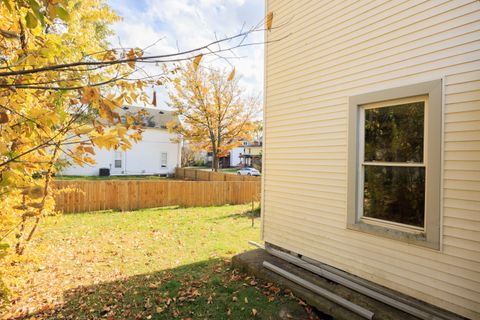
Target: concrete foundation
x: 251, y: 262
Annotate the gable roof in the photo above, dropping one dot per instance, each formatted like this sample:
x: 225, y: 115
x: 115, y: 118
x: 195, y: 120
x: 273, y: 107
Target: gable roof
x: 154, y: 118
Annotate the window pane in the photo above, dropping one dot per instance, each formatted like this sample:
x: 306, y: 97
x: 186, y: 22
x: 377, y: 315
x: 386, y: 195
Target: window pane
x: 395, y: 133
x: 395, y: 194
x: 118, y: 163
x: 163, y: 160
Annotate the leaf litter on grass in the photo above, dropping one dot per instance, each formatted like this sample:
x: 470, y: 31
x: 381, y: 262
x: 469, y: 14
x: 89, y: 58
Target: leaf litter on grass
x: 148, y: 264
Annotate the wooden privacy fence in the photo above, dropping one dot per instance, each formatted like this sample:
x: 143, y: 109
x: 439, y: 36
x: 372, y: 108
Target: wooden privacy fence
x: 138, y: 194
x: 194, y: 174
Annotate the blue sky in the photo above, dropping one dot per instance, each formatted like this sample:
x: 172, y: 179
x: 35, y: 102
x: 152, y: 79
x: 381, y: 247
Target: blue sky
x: 189, y: 24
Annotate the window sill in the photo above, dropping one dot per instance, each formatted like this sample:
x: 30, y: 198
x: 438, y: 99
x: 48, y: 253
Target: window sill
x: 415, y: 237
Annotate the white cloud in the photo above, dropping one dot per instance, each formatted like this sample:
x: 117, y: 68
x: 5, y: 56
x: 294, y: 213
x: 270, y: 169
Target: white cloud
x: 187, y: 24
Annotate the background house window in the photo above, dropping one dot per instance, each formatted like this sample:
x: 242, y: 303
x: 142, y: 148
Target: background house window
x: 118, y: 159
x: 163, y: 160
x: 392, y: 162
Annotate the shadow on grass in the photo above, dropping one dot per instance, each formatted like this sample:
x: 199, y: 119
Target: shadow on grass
x: 239, y: 215
x: 202, y: 290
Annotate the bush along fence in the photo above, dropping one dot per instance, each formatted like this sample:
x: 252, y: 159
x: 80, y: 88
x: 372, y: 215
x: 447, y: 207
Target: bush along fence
x: 202, y: 175
x: 82, y: 196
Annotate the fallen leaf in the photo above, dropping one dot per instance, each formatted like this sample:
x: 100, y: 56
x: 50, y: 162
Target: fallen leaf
x: 301, y: 302
x: 254, y: 312
x: 275, y: 289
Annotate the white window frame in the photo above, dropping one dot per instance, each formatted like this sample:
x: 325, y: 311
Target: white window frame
x: 118, y: 156
x: 431, y: 93
x: 163, y: 160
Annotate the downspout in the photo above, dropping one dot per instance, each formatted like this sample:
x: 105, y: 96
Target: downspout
x: 264, y: 167
x: 367, y: 314
x: 125, y: 171
x: 330, y: 274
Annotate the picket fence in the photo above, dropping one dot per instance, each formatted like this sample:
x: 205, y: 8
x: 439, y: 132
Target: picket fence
x: 83, y: 196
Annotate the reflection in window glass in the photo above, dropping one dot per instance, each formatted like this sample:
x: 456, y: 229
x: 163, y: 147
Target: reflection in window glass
x: 395, y: 194
x: 395, y: 133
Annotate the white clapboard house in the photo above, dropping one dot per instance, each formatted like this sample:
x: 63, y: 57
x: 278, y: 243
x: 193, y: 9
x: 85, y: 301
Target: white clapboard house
x: 155, y: 154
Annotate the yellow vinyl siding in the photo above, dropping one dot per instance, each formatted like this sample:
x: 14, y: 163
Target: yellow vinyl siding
x: 336, y: 49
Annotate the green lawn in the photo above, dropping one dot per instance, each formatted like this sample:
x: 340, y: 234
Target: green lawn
x: 110, y: 178
x: 170, y: 263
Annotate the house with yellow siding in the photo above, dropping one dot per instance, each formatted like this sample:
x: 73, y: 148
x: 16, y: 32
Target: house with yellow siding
x: 371, y: 160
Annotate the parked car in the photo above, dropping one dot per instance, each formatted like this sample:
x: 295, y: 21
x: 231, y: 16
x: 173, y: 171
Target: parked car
x: 248, y: 172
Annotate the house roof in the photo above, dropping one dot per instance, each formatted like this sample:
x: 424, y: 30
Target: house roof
x: 154, y: 118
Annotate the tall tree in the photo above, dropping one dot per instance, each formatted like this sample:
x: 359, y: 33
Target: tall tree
x: 61, y: 85
x: 47, y: 112
x: 214, y: 113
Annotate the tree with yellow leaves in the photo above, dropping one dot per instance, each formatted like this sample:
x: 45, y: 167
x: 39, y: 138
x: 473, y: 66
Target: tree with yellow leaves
x: 61, y: 85
x: 47, y: 112
x: 214, y: 113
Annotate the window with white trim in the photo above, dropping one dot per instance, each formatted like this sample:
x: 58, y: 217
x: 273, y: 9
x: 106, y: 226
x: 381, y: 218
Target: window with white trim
x: 118, y: 159
x: 163, y: 160
x: 394, y: 163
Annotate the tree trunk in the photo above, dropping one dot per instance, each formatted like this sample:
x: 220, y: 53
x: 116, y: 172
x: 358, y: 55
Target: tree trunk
x: 215, y: 162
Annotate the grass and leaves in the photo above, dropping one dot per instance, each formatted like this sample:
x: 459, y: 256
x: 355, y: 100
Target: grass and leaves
x: 167, y: 263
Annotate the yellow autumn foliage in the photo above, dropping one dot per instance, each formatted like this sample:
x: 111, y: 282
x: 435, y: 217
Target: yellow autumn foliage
x: 215, y: 114
x: 55, y: 114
